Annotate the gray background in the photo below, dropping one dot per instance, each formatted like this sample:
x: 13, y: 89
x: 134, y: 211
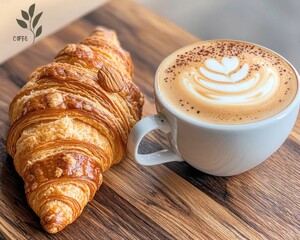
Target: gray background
x: 272, y: 23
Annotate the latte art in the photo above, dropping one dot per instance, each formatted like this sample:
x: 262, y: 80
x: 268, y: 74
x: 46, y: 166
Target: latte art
x: 228, y: 82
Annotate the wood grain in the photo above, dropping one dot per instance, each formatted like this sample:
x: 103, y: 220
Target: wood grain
x: 172, y: 201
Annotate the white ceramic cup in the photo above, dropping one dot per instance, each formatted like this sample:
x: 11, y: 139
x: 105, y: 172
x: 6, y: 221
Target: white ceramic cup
x: 221, y: 150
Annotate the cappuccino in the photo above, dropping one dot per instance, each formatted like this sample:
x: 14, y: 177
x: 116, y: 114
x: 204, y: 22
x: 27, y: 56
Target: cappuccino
x: 226, y: 82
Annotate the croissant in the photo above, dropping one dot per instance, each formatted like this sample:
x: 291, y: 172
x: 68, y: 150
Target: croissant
x: 70, y: 123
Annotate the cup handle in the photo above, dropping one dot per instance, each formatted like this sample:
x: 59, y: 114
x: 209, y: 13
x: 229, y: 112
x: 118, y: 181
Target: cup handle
x: 139, y: 131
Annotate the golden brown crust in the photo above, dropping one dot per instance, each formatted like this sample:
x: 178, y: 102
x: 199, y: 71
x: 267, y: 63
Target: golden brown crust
x: 70, y: 123
x: 62, y: 165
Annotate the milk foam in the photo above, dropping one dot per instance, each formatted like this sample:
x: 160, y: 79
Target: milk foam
x: 230, y: 82
x: 227, y: 82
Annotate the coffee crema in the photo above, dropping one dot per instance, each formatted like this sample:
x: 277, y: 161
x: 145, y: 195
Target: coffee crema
x: 227, y: 82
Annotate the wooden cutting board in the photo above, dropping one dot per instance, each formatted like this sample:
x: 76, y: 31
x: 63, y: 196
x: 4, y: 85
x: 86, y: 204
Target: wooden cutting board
x: 172, y: 201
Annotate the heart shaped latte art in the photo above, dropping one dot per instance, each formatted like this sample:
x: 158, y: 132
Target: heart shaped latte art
x: 230, y: 82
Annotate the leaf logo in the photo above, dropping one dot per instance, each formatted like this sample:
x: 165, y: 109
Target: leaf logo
x: 31, y: 21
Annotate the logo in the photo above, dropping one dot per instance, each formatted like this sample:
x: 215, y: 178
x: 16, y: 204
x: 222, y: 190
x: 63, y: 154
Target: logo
x: 29, y: 22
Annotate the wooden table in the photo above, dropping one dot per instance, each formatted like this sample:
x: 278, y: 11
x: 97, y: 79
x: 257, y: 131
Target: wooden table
x: 172, y: 201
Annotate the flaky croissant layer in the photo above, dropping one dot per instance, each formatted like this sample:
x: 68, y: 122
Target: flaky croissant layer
x: 70, y: 123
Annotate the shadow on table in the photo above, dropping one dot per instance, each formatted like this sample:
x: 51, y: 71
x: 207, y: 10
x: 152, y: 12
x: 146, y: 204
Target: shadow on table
x: 215, y: 187
x: 13, y: 204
